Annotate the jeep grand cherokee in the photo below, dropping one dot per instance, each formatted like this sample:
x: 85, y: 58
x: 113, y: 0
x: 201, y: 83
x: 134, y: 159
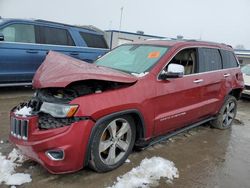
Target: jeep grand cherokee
x: 139, y: 93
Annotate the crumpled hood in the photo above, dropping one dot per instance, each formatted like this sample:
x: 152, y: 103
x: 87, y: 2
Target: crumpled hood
x: 59, y: 70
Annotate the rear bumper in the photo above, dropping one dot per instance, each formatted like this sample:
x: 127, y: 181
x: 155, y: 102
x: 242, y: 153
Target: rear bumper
x: 73, y: 140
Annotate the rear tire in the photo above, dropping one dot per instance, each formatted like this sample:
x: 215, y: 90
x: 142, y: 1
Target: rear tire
x: 112, y: 143
x: 227, y: 114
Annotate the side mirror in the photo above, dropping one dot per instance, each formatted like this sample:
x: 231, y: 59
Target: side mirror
x: 174, y: 71
x: 1, y: 37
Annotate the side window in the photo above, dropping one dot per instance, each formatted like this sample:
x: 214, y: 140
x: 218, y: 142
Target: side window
x: 209, y: 59
x: 93, y: 40
x: 229, y: 60
x: 19, y: 33
x: 56, y: 36
x: 187, y: 58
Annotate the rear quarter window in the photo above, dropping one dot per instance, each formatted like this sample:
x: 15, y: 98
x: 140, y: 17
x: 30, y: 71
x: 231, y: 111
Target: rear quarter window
x: 93, y: 40
x: 229, y: 59
x: 209, y: 59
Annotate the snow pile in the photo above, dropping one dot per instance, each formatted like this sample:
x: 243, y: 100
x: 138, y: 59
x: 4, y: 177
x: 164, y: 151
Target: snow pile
x: 24, y: 111
x: 7, y: 169
x: 148, y: 173
x: 16, y: 156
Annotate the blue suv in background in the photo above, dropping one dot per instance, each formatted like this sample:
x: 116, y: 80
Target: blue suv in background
x: 24, y: 45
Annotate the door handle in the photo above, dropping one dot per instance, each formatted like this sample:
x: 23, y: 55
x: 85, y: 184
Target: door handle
x: 198, y: 81
x: 74, y: 53
x: 32, y: 51
x: 226, y: 75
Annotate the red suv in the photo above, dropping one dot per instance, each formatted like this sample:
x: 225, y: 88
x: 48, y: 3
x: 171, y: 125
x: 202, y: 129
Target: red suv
x: 94, y: 114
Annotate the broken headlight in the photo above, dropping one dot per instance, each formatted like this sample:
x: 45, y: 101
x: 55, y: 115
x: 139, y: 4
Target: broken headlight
x: 59, y: 110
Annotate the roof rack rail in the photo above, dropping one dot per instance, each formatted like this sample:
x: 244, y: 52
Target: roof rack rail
x: 90, y: 28
x: 227, y: 45
x: 46, y: 21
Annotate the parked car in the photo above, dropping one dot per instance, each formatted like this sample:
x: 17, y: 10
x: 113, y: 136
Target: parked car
x: 137, y: 94
x: 24, y: 45
x: 246, y: 75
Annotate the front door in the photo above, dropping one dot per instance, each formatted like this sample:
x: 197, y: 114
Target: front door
x: 19, y: 56
x: 179, y: 100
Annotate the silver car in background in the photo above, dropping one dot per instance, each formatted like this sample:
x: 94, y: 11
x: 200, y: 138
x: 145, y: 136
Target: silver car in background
x: 246, y: 75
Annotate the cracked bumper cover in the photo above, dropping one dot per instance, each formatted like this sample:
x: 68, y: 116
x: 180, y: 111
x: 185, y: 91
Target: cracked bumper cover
x: 73, y: 140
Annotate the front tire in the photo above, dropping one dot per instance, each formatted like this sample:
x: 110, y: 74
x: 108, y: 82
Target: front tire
x: 112, y: 143
x: 227, y: 114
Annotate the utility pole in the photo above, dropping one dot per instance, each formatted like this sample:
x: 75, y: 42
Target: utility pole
x: 120, y: 26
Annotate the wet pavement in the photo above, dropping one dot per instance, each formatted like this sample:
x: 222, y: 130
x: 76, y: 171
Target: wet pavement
x: 205, y: 157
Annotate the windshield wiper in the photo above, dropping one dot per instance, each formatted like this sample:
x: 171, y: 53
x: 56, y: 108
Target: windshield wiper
x: 123, y: 71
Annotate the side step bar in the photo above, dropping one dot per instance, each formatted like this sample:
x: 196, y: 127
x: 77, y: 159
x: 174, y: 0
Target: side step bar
x: 145, y: 144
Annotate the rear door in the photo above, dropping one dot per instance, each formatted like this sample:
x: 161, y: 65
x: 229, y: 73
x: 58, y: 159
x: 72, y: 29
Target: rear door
x: 68, y: 41
x: 57, y: 39
x: 213, y: 75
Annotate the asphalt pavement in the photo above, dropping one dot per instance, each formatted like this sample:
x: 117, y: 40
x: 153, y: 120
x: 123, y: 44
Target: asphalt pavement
x: 205, y: 157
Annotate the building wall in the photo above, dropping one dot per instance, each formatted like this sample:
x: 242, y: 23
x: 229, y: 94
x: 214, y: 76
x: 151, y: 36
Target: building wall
x: 243, y: 56
x: 116, y: 38
x: 243, y: 60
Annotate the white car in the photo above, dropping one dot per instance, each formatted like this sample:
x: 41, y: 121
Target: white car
x: 246, y: 75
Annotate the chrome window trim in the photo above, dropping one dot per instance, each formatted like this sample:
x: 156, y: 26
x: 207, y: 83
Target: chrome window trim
x: 53, y: 45
x: 183, y: 48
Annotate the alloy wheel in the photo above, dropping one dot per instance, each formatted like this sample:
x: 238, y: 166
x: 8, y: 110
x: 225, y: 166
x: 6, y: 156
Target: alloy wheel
x: 115, y: 141
x: 229, y: 114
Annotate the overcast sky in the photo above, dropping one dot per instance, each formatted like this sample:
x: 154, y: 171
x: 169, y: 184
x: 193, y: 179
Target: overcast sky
x: 224, y: 21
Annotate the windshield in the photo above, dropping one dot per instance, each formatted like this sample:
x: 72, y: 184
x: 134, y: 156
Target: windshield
x: 246, y: 69
x: 133, y: 58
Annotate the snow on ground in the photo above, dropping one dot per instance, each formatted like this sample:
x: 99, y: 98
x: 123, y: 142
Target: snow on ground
x: 7, y: 169
x: 148, y: 173
x: 16, y: 156
x: 24, y: 111
x: 127, y: 161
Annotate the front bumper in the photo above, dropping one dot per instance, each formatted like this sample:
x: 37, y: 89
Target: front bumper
x: 34, y: 143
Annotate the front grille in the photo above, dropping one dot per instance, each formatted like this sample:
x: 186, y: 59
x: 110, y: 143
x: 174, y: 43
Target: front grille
x: 47, y: 121
x: 19, y: 128
x: 247, y: 87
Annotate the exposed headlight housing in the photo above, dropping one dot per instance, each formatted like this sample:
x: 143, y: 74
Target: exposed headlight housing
x: 59, y: 110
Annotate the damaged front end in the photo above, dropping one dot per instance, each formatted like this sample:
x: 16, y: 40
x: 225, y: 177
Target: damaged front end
x: 52, y: 105
x: 46, y: 128
x: 61, y: 79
